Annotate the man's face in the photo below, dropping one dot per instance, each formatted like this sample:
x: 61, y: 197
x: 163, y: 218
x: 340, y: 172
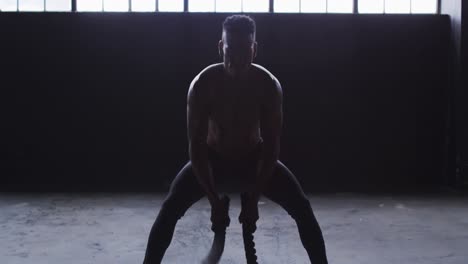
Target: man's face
x: 238, y: 51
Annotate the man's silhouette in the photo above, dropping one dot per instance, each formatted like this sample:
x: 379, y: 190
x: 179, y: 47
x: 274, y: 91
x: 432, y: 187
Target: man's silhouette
x: 234, y: 120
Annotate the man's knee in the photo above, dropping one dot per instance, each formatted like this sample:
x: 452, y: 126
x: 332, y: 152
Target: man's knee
x: 301, y: 210
x: 172, y: 208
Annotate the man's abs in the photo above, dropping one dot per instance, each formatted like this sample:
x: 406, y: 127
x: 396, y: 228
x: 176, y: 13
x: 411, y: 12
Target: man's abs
x: 233, y: 146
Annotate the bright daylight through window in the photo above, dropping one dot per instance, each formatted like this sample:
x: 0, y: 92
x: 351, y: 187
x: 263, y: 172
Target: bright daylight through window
x: 143, y: 5
x: 31, y: 5
x: 171, y: 5
x: 286, y: 6
x: 231, y: 6
x: 116, y: 5
x: 340, y: 6
x: 228, y: 6
x: 313, y: 6
x: 89, y: 5
x: 201, y: 6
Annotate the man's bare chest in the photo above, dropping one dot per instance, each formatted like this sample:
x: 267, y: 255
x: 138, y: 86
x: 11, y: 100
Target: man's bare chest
x: 235, y: 104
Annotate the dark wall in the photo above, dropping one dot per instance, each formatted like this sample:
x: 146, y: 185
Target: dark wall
x: 454, y: 113
x: 97, y: 101
x: 464, y: 97
x: 459, y: 94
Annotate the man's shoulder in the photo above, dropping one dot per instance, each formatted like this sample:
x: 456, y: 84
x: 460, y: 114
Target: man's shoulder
x: 266, y: 74
x: 201, y: 83
x: 209, y: 72
x: 272, y: 85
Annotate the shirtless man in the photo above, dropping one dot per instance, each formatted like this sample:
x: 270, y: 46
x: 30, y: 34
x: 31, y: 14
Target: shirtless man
x: 234, y: 120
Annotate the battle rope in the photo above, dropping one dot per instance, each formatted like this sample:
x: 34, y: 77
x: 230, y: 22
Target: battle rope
x: 217, y: 248
x: 247, y: 234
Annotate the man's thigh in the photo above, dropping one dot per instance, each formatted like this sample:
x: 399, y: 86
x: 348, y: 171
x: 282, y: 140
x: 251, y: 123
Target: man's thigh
x: 184, y: 190
x: 284, y: 189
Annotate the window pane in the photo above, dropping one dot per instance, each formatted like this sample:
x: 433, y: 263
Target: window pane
x: 201, y: 6
x: 228, y: 5
x: 340, y: 6
x: 171, y: 5
x: 8, y: 5
x: 313, y: 6
x: 144, y: 5
x: 89, y: 5
x: 255, y: 5
x: 58, y: 5
x: 286, y: 6
x: 31, y: 5
x: 115, y: 5
x: 424, y: 6
x: 397, y: 6
x: 371, y: 6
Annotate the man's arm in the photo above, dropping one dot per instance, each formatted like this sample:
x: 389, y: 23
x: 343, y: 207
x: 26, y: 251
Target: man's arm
x: 271, y: 122
x: 197, y: 129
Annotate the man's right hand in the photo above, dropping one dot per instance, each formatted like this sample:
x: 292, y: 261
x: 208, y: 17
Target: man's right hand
x: 220, y: 214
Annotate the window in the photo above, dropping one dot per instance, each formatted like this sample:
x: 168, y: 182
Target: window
x: 8, y: 5
x: 424, y: 6
x: 31, y: 5
x: 371, y: 6
x: 231, y: 6
x: 397, y: 6
x: 170, y: 5
x: 89, y: 5
x: 58, y: 5
x: 228, y: 6
x: 313, y: 6
x: 201, y: 6
x: 116, y: 5
x: 340, y: 6
x: 286, y: 6
x: 143, y: 5
x: 255, y: 5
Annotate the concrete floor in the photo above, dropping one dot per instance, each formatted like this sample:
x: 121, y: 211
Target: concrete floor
x: 113, y: 228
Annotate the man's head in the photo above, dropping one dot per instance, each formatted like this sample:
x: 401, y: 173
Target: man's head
x: 237, y: 45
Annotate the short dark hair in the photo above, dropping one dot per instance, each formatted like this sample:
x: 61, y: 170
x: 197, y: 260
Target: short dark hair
x: 239, y: 24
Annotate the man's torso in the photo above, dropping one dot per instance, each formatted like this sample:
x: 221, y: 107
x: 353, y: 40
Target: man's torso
x: 234, y: 110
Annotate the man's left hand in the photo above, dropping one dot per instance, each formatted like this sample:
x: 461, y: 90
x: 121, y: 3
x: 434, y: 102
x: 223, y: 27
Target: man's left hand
x: 249, y: 211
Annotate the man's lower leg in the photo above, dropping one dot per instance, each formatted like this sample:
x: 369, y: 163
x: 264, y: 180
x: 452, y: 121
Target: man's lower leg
x: 312, y: 238
x: 160, y: 237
